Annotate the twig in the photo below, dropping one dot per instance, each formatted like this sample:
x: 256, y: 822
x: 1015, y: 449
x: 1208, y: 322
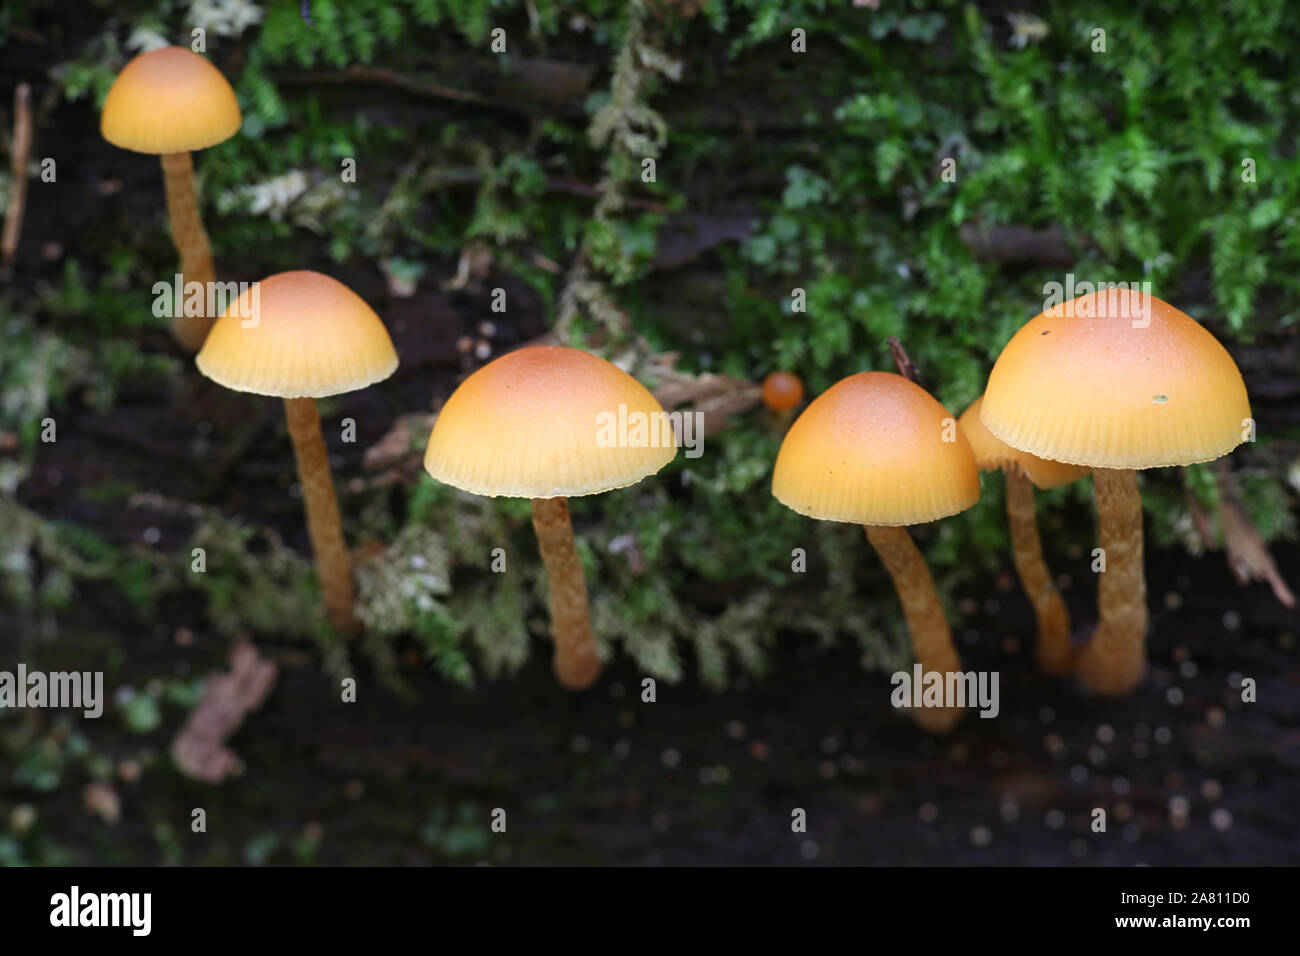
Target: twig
x: 26, y: 35
x: 380, y: 76
x: 18, y: 157
x: 244, y: 439
x: 1002, y: 244
x: 575, y: 187
x: 151, y: 447
x: 906, y: 367
x: 439, y: 177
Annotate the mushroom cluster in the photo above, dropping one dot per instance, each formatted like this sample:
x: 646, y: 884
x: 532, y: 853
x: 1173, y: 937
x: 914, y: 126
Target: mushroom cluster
x: 1117, y: 381
x: 1110, y: 383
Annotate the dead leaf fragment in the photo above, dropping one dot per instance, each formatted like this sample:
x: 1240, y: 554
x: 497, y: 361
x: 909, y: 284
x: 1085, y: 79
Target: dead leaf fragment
x: 99, y: 799
x: 1248, y: 557
x: 199, y: 749
x: 716, y: 397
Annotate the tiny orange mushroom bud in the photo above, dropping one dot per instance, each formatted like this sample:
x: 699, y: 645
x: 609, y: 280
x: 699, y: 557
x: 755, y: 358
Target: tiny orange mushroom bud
x: 782, y: 391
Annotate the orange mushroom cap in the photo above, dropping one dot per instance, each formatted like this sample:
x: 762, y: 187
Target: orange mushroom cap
x: 169, y: 100
x: 1117, y: 379
x: 298, y: 335
x: 549, y: 422
x: 992, y: 454
x: 782, y: 391
x: 876, y: 449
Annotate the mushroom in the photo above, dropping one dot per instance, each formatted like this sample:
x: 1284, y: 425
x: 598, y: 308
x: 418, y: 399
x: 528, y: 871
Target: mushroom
x: 1024, y: 472
x: 550, y: 423
x: 169, y: 102
x: 1117, y: 381
x: 877, y: 450
x: 301, y: 336
x: 782, y: 391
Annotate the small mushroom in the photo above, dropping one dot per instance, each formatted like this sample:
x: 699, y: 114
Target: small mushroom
x: 878, y: 450
x: 168, y: 103
x: 301, y: 336
x: 1124, y: 381
x: 782, y: 391
x: 1024, y: 472
x: 550, y: 423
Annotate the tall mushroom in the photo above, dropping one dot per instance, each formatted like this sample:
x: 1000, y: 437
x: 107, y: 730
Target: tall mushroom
x: 168, y: 103
x: 551, y: 423
x: 878, y: 450
x: 1117, y: 381
x: 301, y: 336
x: 1025, y: 472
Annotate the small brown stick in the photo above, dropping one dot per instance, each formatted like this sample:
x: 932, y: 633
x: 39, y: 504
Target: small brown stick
x: 576, y: 663
x: 381, y: 76
x: 324, y: 526
x: 906, y: 367
x: 19, y: 155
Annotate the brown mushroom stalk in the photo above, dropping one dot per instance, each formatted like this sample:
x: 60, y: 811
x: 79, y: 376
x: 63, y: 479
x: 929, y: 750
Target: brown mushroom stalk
x: 191, y: 241
x: 324, y: 526
x: 1024, y: 473
x: 1056, y: 655
x: 577, y: 664
x: 1114, y: 660
x: 927, y: 626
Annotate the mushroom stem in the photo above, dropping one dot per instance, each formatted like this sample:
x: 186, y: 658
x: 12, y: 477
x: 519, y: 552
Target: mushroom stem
x: 926, y: 625
x: 191, y: 242
x: 1055, y: 653
x: 324, y: 526
x: 576, y: 662
x: 1115, y: 658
